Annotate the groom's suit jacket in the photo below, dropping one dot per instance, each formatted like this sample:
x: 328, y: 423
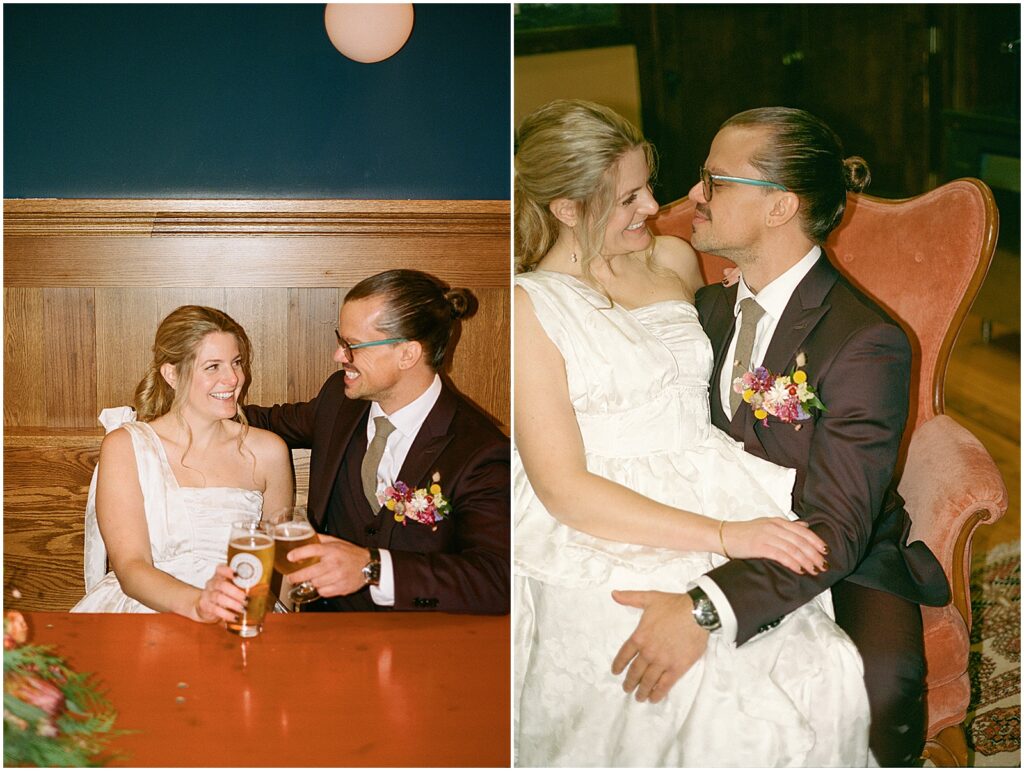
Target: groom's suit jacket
x: 463, y: 566
x: 858, y: 361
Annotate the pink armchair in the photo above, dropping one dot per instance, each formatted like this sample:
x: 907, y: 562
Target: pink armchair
x: 923, y: 259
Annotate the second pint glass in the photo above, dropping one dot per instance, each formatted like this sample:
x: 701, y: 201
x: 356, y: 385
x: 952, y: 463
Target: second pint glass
x: 293, y: 532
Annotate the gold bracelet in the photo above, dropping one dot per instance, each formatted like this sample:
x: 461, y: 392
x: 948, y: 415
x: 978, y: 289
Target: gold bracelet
x: 721, y: 539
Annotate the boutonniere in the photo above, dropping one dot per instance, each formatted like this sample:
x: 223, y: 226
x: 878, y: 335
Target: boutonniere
x: 424, y: 505
x: 787, y: 397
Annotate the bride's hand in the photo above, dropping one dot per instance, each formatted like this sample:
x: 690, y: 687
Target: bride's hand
x: 220, y: 599
x: 792, y: 544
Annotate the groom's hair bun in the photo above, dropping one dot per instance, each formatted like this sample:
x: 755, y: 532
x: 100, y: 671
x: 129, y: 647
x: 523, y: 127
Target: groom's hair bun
x: 420, y: 307
x: 460, y: 301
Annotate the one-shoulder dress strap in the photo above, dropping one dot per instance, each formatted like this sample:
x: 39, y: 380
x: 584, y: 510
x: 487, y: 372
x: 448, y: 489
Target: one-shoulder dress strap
x: 95, y: 562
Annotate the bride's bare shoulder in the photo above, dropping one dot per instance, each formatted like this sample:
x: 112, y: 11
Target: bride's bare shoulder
x: 678, y: 256
x: 266, y: 445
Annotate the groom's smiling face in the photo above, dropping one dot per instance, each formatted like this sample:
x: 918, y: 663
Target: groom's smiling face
x: 371, y: 373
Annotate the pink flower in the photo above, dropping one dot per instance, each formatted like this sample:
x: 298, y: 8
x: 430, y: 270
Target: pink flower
x: 37, y: 692
x: 15, y: 629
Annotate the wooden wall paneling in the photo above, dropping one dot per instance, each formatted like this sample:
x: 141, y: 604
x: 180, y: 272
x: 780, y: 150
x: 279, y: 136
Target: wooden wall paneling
x: 312, y: 319
x: 169, y: 299
x: 69, y: 356
x: 250, y: 262
x: 24, y: 399
x: 126, y: 322
x: 877, y: 104
x: 44, y: 518
x: 485, y: 340
x: 263, y: 313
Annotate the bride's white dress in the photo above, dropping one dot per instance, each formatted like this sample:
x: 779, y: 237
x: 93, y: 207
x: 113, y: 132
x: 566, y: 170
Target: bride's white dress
x: 188, y: 526
x: 793, y: 696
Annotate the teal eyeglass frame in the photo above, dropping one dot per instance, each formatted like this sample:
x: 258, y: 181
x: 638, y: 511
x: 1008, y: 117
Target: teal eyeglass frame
x: 349, y: 347
x: 706, y: 178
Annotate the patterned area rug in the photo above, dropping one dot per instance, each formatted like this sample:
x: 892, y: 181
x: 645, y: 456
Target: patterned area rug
x: 993, y: 718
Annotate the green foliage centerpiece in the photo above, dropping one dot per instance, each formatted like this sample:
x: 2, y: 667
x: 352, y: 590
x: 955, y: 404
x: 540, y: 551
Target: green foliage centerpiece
x: 53, y: 716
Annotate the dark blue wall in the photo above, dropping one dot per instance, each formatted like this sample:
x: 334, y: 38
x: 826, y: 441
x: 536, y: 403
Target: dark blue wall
x: 207, y: 101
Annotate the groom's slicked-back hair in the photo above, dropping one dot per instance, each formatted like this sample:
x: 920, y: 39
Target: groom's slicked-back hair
x: 804, y: 154
x: 418, y: 307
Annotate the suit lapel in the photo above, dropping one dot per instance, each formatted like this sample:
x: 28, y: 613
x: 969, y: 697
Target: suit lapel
x: 719, y: 328
x: 432, y: 438
x: 805, y: 309
x: 351, y: 415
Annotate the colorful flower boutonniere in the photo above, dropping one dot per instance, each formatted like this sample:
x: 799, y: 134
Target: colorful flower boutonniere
x: 424, y: 505
x: 787, y: 397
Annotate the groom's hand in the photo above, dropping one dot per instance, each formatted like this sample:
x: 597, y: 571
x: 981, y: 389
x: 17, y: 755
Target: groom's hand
x: 664, y: 646
x: 339, y: 571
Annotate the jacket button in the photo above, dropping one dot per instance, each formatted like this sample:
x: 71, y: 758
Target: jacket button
x: 371, y: 530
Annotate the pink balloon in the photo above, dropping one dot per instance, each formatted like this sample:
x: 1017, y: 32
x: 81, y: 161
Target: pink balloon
x: 367, y: 32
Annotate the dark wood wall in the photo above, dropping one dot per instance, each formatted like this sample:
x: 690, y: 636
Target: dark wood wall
x: 881, y: 75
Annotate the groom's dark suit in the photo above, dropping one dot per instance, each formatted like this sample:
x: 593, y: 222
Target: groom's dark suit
x: 858, y: 361
x: 463, y: 566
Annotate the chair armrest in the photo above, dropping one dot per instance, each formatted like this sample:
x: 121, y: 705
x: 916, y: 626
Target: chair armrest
x: 951, y: 486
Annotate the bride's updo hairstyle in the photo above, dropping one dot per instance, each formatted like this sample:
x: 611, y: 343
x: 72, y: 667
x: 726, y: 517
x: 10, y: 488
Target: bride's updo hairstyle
x: 177, y: 342
x: 419, y: 307
x: 805, y: 155
x: 568, y: 149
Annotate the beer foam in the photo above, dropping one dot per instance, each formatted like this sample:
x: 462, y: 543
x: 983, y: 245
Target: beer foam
x: 293, y: 532
x: 252, y: 542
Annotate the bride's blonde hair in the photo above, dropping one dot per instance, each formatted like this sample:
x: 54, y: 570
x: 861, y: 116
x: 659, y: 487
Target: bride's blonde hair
x: 177, y: 342
x: 569, y: 148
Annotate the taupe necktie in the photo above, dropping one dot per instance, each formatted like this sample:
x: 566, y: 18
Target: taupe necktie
x: 750, y: 313
x: 372, y: 459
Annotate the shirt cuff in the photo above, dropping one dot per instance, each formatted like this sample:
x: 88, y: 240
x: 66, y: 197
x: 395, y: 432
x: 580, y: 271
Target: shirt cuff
x: 384, y: 593
x: 726, y: 615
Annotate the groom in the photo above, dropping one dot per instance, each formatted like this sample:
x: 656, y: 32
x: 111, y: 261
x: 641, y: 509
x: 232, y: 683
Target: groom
x: 773, y: 189
x: 386, y: 418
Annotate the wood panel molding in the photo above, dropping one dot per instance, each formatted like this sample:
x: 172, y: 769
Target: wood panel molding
x: 262, y: 217
x: 250, y: 243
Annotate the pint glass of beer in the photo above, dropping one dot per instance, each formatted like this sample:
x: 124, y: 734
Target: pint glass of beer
x: 291, y: 532
x: 251, y: 556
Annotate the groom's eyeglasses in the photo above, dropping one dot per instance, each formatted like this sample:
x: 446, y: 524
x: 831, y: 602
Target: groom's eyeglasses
x: 348, y: 347
x: 707, y: 180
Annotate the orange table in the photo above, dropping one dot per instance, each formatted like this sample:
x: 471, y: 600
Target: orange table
x: 319, y: 689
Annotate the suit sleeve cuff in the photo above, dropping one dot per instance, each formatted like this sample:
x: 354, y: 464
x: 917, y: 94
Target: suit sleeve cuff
x: 726, y: 616
x: 384, y: 593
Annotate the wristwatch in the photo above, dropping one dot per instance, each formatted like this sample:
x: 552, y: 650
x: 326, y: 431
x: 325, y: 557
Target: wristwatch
x: 704, y: 612
x: 371, y: 570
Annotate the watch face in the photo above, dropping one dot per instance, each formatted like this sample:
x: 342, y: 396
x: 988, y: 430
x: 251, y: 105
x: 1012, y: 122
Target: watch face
x: 706, y: 615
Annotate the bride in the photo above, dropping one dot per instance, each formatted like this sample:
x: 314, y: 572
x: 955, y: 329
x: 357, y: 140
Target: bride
x: 621, y: 482
x: 171, y: 480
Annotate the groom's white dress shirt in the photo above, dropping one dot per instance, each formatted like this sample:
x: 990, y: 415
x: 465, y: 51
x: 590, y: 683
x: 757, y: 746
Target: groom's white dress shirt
x: 407, y: 422
x: 773, y: 298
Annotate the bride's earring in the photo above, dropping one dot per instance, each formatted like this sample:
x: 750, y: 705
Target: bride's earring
x: 572, y: 257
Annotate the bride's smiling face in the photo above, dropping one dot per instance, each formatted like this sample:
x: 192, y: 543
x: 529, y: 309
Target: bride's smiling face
x: 217, y: 377
x: 634, y: 202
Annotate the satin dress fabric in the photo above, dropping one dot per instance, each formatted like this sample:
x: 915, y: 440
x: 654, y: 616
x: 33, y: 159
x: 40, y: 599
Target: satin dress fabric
x: 188, y: 526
